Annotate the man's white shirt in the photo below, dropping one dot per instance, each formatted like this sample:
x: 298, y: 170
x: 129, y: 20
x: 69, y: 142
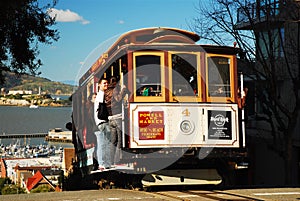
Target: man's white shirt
x: 99, y: 99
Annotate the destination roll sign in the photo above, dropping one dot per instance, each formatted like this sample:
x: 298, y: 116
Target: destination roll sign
x: 151, y: 125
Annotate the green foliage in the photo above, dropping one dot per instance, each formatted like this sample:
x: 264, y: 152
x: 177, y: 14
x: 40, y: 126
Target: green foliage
x: 42, y: 188
x: 63, y: 102
x: 12, y: 189
x: 3, y: 182
x: 23, y: 25
x: 18, y: 96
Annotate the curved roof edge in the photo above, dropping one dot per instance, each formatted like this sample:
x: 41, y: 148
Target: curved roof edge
x: 164, y: 30
x: 144, y: 35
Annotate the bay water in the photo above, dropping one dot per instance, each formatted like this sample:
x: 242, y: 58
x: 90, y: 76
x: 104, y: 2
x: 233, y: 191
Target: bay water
x: 25, y: 120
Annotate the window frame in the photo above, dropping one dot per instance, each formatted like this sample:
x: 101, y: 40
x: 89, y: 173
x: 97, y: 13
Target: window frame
x: 221, y: 99
x: 195, y: 98
x: 162, y: 74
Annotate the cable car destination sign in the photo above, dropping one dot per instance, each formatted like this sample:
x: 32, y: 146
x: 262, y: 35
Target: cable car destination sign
x: 151, y: 125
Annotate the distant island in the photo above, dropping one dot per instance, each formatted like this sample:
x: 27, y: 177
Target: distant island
x: 27, y: 90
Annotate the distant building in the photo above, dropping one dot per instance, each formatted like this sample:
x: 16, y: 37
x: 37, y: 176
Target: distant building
x: 58, y: 135
x: 22, y: 92
x: 40, y: 179
x: 29, y: 173
x: 68, y: 158
x: 276, y: 26
x: 12, y: 167
x: 4, y: 91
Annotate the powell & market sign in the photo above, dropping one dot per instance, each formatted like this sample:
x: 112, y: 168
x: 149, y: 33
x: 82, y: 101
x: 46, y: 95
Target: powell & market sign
x: 151, y: 125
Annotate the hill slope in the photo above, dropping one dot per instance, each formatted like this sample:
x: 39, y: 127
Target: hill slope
x: 28, y: 82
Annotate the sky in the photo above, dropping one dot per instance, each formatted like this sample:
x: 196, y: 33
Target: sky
x: 88, y: 27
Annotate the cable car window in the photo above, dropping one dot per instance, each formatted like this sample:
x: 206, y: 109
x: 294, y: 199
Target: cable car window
x: 148, y: 75
x: 184, y: 74
x: 219, y: 77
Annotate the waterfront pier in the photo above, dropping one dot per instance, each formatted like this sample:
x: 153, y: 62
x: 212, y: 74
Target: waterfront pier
x: 23, y: 135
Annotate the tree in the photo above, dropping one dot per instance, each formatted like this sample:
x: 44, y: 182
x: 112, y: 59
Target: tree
x: 268, y: 35
x: 3, y: 182
x: 23, y: 25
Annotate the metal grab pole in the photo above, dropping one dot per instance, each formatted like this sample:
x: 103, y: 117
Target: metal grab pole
x: 243, y: 112
x: 123, y: 104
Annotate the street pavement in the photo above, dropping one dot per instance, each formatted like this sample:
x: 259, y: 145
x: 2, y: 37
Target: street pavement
x: 86, y: 195
x: 266, y: 194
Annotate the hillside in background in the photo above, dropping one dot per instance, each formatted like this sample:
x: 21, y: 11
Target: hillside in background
x: 28, y: 82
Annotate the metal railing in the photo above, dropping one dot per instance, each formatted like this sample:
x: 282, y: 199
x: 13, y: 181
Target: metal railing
x: 257, y: 12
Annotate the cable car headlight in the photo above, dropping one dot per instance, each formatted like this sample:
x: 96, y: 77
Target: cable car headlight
x: 187, y: 127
